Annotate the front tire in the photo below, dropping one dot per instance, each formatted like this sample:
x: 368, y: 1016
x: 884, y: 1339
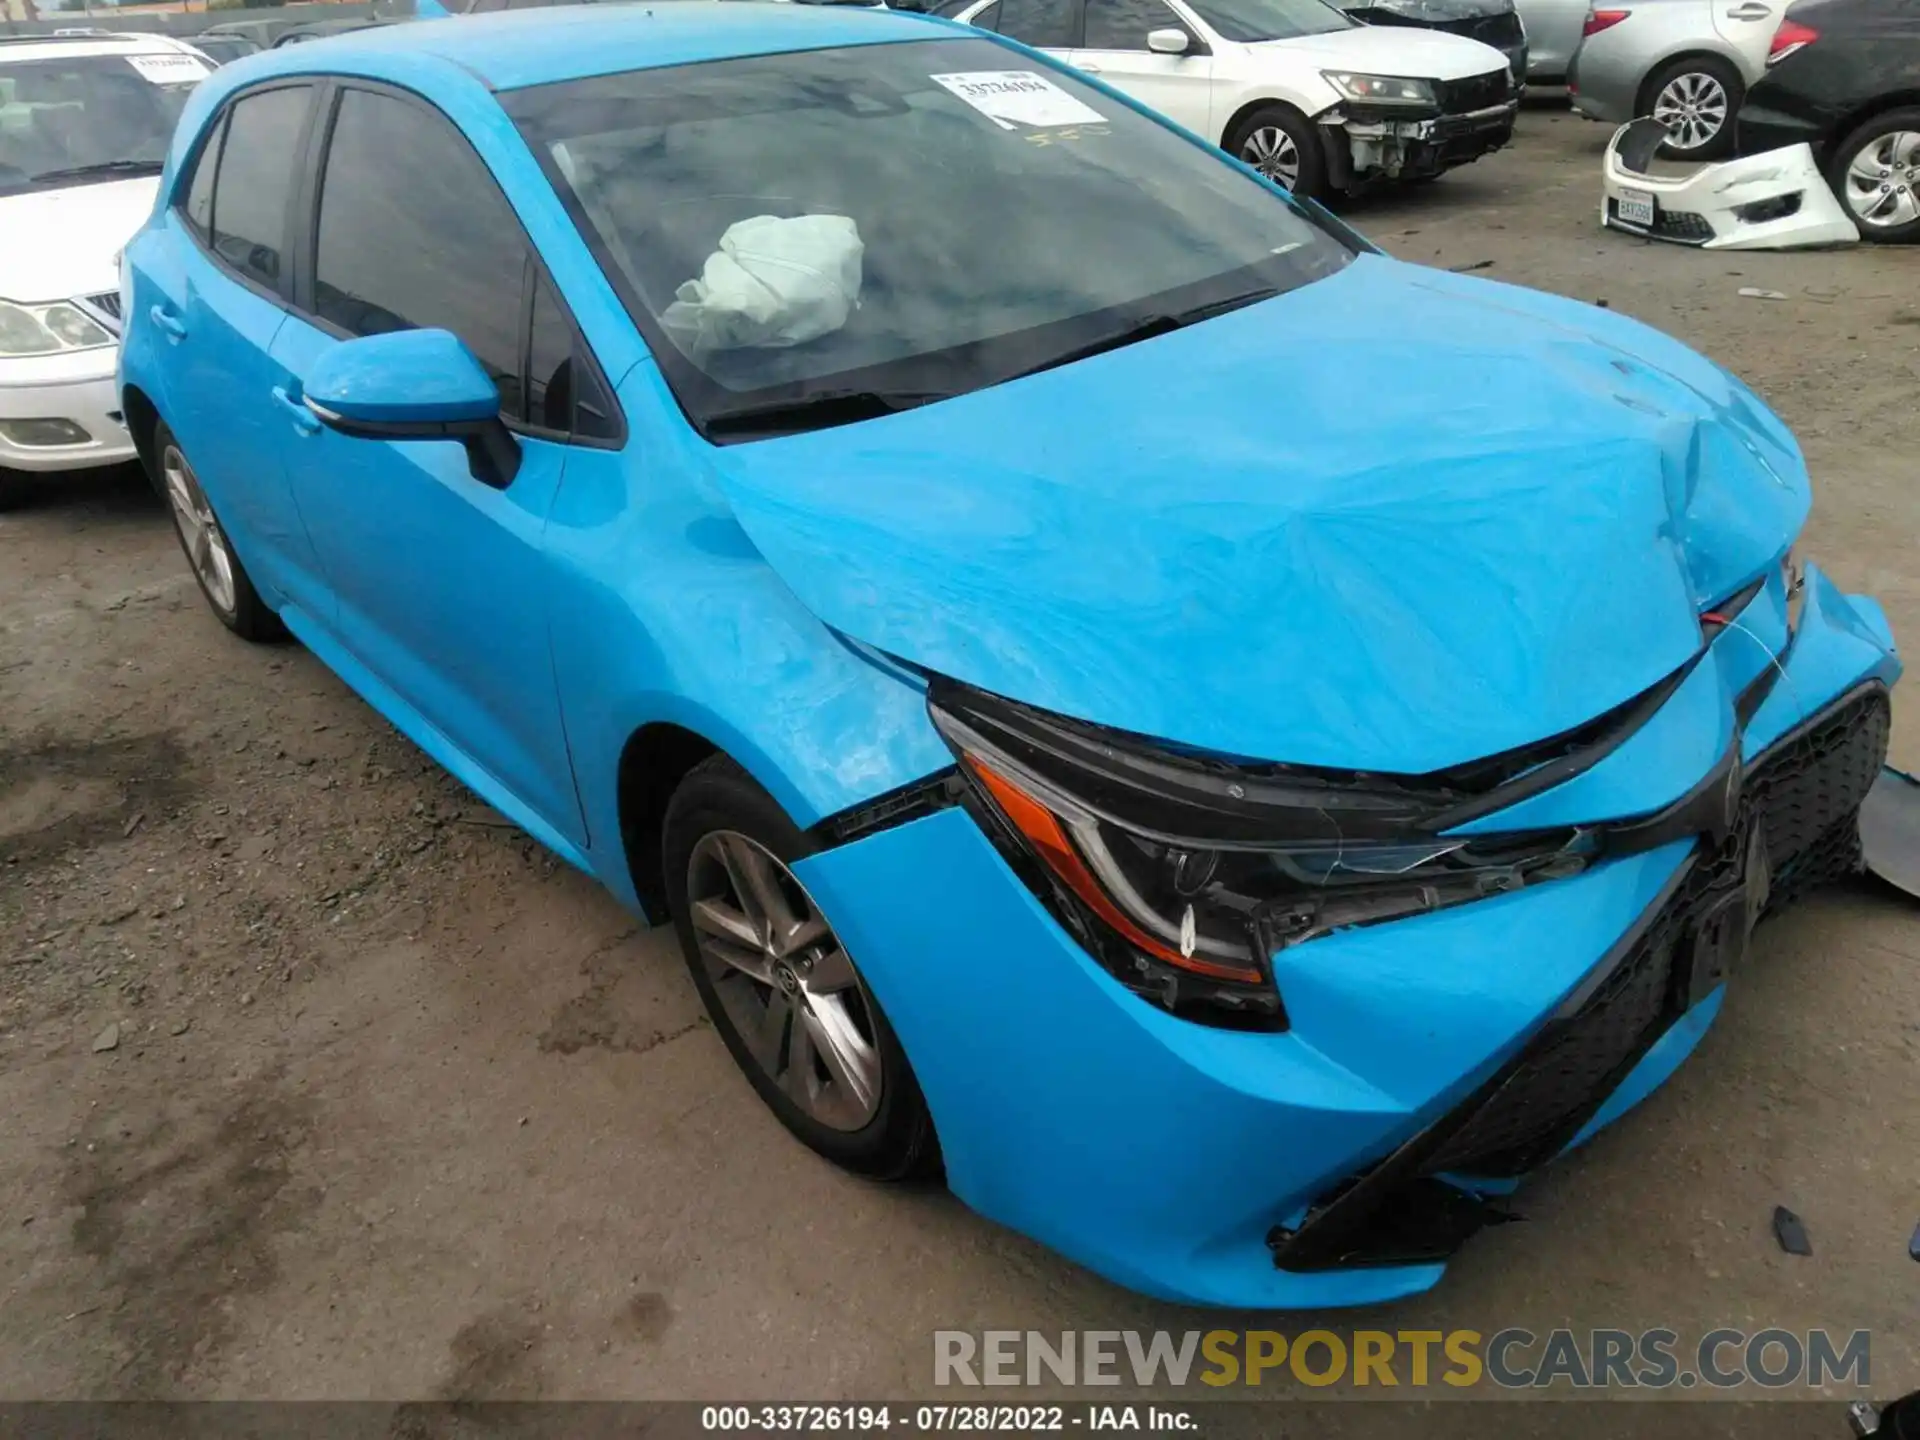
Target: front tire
x: 1284, y: 146
x: 222, y: 578
x: 792, y: 1007
x: 1875, y: 172
x: 1696, y: 98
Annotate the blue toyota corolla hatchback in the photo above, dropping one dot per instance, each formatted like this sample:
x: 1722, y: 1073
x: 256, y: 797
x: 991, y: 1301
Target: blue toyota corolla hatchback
x: 1235, y: 747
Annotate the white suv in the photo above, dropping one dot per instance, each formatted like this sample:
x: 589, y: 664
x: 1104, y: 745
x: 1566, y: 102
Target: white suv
x: 84, y: 129
x: 1307, y: 96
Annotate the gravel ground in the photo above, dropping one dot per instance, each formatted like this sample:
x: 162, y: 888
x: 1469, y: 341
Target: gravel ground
x: 321, y: 1081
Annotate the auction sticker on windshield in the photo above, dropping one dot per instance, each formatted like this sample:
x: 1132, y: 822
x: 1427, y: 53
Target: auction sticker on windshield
x: 1009, y: 96
x: 169, y: 69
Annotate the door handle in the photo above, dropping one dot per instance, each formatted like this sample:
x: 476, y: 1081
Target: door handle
x: 1749, y: 12
x: 1088, y: 67
x: 304, y: 420
x: 167, y: 323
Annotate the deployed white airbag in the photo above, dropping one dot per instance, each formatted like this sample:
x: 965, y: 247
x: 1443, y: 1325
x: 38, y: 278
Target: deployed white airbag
x: 772, y: 283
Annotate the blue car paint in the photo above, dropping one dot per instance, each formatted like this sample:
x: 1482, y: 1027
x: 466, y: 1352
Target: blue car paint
x: 1254, y: 1126
x: 670, y: 583
x: 1511, y: 539
x: 419, y: 376
x: 465, y: 640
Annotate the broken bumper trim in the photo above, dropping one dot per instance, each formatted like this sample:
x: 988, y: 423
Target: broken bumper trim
x: 1366, y: 145
x: 1798, y: 830
x: 1775, y: 201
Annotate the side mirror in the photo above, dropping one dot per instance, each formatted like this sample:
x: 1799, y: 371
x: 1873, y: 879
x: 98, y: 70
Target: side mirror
x: 415, y: 385
x: 1168, y: 42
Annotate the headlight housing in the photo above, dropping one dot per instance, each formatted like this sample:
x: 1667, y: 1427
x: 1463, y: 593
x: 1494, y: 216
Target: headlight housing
x: 1381, y: 89
x: 1183, y: 875
x: 47, y: 329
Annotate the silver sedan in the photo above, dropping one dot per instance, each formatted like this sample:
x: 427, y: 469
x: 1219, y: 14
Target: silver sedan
x: 1687, y: 63
x: 1553, y: 34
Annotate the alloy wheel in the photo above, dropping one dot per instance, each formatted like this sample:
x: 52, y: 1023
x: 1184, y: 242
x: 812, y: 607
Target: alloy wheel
x: 1271, y: 151
x: 200, y: 532
x: 1693, y: 107
x: 784, y: 979
x: 1883, y: 180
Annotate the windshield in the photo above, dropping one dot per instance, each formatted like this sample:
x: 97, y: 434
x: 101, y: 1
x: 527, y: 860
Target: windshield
x: 904, y: 221
x: 1247, y: 22
x: 89, y: 118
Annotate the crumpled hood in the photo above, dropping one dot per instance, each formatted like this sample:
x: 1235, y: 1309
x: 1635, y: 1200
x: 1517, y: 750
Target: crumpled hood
x: 1395, y: 520
x: 62, y: 243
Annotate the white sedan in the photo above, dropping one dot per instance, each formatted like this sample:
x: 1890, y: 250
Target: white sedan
x: 84, y: 128
x: 1293, y: 87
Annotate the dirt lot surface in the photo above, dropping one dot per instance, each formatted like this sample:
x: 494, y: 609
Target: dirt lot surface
x: 319, y: 1081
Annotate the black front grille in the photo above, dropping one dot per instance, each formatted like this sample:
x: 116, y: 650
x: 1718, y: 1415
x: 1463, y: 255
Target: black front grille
x: 103, y: 308
x: 1809, y: 793
x: 1682, y: 225
x: 1560, y: 1075
x: 1478, y: 92
x: 1678, y: 225
x: 1804, y: 798
x: 1806, y: 790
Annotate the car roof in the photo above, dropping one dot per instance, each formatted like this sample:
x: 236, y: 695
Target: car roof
x: 511, y: 49
x: 64, y: 47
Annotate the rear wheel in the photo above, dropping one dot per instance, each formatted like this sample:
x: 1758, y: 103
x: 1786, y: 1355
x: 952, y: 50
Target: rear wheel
x: 221, y: 576
x: 787, y: 999
x: 13, y: 489
x: 1284, y: 146
x: 1695, y: 98
x: 1876, y: 173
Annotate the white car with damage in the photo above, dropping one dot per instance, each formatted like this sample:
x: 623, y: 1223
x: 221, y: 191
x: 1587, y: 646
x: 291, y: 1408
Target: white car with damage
x: 1295, y: 88
x: 84, y: 127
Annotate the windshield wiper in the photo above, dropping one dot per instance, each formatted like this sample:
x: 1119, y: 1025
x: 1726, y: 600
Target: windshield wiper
x: 103, y: 167
x: 1222, y: 307
x: 818, y: 412
x: 1150, y: 328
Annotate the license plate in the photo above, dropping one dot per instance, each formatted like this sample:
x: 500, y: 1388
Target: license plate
x: 1635, y: 207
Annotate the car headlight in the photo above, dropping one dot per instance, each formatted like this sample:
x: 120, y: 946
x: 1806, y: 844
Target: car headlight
x: 1381, y: 89
x: 44, y: 329
x: 1184, y: 875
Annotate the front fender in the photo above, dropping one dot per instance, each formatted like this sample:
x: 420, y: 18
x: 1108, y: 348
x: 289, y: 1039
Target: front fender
x: 670, y: 614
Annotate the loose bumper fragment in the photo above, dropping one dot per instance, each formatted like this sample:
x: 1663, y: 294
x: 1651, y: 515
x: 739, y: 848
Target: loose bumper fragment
x: 1775, y: 201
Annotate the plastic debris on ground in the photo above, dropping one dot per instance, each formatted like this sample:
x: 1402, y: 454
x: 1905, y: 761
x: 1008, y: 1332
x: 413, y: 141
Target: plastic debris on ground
x: 1790, y: 1232
x: 1890, y: 830
x: 1778, y: 200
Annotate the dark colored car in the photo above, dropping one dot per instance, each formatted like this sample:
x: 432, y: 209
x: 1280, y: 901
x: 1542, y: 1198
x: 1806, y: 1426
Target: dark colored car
x: 224, y: 49
x: 1491, y: 22
x: 322, y: 29
x: 1844, y: 78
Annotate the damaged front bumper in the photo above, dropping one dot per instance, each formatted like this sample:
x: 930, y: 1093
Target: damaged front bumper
x: 1775, y: 201
x: 1366, y: 145
x: 1427, y: 1063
